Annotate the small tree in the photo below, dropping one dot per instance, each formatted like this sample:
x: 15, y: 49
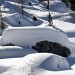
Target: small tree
x: 1, y: 20
x: 50, y: 20
x: 22, y: 6
x: 47, y: 4
x: 30, y: 3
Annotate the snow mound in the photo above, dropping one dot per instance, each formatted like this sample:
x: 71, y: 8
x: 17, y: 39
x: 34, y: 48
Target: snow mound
x: 14, y: 51
x: 29, y: 36
x: 46, y: 61
x: 59, y: 7
x: 18, y: 20
x: 55, y: 63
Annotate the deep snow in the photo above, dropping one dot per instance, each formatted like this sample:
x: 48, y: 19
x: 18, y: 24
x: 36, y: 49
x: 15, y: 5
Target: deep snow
x: 29, y: 62
x: 38, y: 62
x: 29, y: 36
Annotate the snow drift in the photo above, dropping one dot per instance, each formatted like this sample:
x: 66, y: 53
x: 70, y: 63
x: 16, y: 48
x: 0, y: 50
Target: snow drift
x: 33, y: 62
x: 55, y: 62
x: 17, y: 20
x: 29, y: 36
x: 14, y: 51
x: 36, y: 63
x: 59, y: 7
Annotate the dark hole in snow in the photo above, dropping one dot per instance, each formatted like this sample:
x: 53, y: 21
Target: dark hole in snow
x: 34, y: 18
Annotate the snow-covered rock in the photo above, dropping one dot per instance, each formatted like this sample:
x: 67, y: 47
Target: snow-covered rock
x: 33, y: 62
x: 55, y: 62
x: 29, y: 36
x: 60, y: 7
x: 18, y: 20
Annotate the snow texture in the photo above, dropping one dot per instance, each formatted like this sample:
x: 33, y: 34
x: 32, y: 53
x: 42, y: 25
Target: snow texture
x: 32, y: 62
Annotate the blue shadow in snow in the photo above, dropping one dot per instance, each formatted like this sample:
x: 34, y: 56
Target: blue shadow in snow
x: 70, y: 34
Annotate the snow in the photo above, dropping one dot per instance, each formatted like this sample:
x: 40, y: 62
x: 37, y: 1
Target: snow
x: 62, y: 8
x: 21, y: 59
x: 16, y: 18
x: 29, y: 36
x: 33, y: 62
x: 53, y: 64
x: 14, y: 51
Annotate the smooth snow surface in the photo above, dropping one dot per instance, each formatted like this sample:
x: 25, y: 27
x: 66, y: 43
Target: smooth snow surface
x: 29, y: 36
x: 14, y: 51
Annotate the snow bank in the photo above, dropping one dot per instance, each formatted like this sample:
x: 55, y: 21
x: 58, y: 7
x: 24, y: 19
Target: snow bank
x: 29, y: 36
x: 23, y: 20
x: 59, y: 7
x: 46, y: 61
x: 33, y: 64
x: 17, y: 20
x: 55, y: 63
x: 65, y: 26
x: 14, y: 51
x: 12, y: 21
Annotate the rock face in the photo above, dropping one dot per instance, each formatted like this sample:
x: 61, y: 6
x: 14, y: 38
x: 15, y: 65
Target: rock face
x: 50, y: 47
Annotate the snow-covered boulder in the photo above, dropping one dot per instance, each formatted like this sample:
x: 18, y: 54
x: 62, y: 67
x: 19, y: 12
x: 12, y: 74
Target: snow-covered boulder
x: 55, y: 62
x: 45, y: 61
x: 14, y: 51
x: 59, y: 7
x: 18, y: 20
x: 29, y: 36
